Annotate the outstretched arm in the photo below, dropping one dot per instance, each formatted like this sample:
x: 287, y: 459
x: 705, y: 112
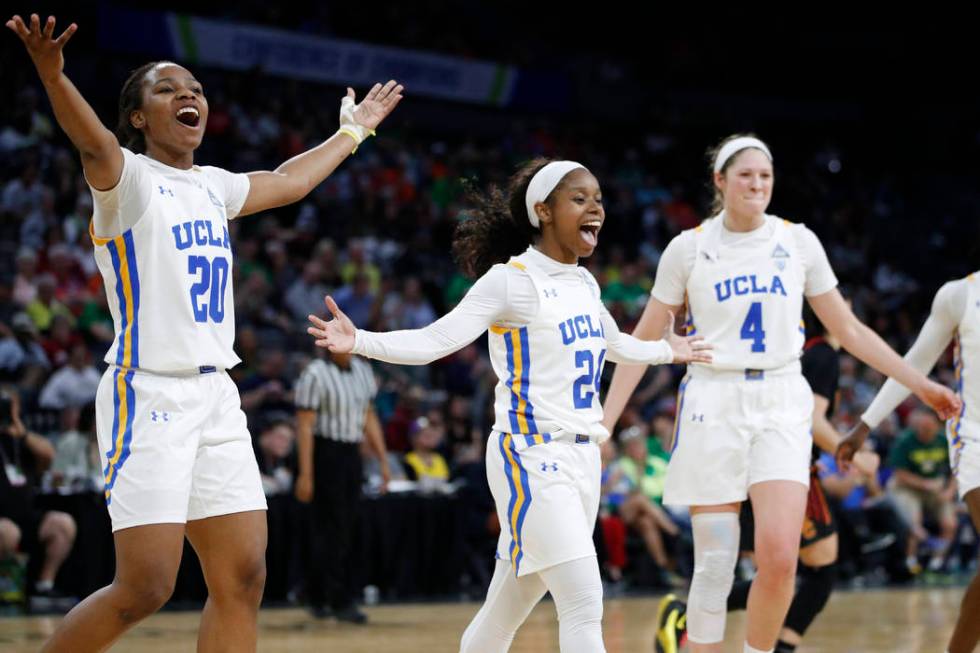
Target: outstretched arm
x: 295, y: 178
x: 868, y: 346
x: 483, y: 305
x: 101, y: 155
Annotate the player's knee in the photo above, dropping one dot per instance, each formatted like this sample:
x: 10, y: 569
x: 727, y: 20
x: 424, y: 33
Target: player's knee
x: 250, y: 577
x: 143, y: 599
x: 777, y: 562
x: 713, y: 580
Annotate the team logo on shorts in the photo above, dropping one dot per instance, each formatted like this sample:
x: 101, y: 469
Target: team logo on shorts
x: 779, y: 255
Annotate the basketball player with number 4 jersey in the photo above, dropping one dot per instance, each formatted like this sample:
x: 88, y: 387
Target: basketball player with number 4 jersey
x: 549, y: 337
x: 743, y: 422
x: 955, y: 317
x: 178, y: 459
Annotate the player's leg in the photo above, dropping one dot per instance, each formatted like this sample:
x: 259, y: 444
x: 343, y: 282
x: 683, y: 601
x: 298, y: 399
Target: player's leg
x: 231, y: 549
x: 778, y: 507
x: 226, y: 521
x: 966, y: 634
x: 818, y: 572
x: 576, y: 588
x: 716, y: 538
x: 509, y: 601
x: 147, y: 559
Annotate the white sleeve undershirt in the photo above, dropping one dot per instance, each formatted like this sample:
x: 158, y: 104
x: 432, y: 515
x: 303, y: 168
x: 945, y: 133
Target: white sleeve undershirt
x: 940, y: 327
x: 506, y: 296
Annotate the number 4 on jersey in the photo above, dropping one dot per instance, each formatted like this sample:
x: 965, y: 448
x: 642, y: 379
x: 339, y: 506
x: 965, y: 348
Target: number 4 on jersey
x: 752, y: 328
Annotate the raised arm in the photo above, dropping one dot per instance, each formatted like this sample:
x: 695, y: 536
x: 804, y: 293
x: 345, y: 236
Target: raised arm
x: 102, y: 158
x: 295, y: 178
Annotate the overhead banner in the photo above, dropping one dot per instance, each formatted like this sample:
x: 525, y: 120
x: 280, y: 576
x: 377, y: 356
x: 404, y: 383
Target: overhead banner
x: 236, y: 46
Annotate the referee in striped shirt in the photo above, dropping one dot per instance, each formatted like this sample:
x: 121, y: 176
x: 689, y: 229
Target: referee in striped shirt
x: 334, y: 412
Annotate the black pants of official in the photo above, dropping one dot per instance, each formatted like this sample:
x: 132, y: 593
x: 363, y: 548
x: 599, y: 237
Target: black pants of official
x: 336, y: 497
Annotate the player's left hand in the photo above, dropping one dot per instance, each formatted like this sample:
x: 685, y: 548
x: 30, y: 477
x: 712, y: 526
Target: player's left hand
x: 687, y: 349
x: 941, y: 399
x: 376, y: 105
x: 336, y: 335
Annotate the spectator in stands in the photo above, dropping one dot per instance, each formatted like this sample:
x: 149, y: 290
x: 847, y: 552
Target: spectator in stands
x: 921, y: 485
x: 77, y: 465
x: 24, y: 456
x: 75, y: 384
x: 276, y: 456
x: 424, y: 463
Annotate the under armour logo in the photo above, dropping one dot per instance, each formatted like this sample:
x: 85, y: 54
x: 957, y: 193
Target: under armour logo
x: 550, y: 292
x: 165, y: 191
x: 159, y: 416
x: 549, y: 466
x: 697, y: 417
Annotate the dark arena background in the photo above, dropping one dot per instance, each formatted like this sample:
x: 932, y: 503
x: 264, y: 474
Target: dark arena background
x: 876, y: 146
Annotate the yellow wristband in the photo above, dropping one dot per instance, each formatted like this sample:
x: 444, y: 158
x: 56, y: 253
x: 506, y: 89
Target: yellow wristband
x: 357, y: 139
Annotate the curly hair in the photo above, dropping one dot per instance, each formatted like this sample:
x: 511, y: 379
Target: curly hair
x: 497, y: 225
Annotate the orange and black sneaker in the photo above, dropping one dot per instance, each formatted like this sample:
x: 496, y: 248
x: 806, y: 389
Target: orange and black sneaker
x: 671, y: 625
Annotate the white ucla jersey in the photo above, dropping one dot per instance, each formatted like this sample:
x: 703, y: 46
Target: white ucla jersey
x: 168, y: 277
x: 549, y: 370
x: 748, y: 301
x: 967, y: 355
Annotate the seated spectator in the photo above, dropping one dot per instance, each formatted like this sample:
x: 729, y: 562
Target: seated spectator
x: 373, y: 477
x: 270, y: 389
x: 275, y: 455
x: 640, y: 509
x: 22, y: 358
x: 74, y: 385
x: 423, y: 461
x: 45, y: 306
x: 355, y: 299
x: 306, y: 293
x: 59, y: 341
x: 922, y: 486
x: 77, y: 464
x: 614, y: 490
x: 869, y: 521
x: 23, y: 457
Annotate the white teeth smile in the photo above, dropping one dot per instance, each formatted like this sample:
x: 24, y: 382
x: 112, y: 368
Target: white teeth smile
x: 190, y: 110
x: 594, y: 223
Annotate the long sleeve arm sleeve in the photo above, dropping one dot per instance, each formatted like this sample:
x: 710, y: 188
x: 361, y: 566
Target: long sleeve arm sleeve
x: 624, y: 348
x: 485, y: 304
x: 928, y: 347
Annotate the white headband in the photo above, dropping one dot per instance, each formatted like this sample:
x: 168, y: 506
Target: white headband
x: 733, y: 146
x: 543, y: 182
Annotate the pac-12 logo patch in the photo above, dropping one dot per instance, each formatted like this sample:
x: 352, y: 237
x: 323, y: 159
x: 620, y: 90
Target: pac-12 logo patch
x: 779, y: 256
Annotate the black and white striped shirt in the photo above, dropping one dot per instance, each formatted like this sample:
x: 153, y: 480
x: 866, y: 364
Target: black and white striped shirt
x: 339, y: 396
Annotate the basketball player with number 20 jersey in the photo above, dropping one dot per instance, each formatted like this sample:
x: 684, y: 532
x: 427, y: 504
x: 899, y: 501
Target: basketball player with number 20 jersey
x: 178, y: 460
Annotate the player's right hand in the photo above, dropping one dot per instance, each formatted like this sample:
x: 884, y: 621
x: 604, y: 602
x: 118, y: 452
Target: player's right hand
x: 850, y: 445
x: 687, y: 349
x: 46, y: 51
x: 304, y: 488
x: 941, y: 399
x: 337, y: 335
